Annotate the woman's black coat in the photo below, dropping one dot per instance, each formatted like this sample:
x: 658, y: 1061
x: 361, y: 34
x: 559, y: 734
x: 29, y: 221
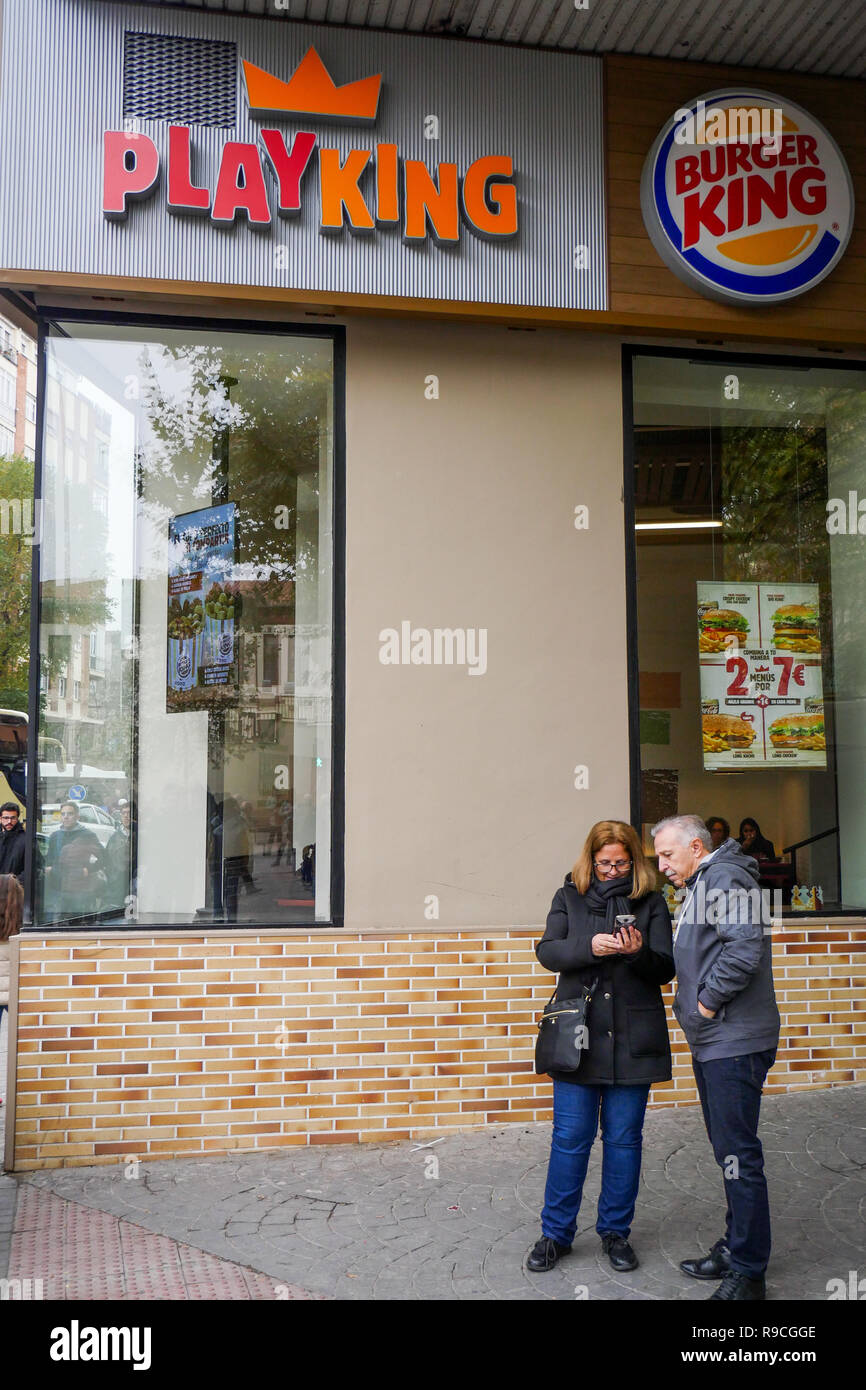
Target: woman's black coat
x: 628, y: 1033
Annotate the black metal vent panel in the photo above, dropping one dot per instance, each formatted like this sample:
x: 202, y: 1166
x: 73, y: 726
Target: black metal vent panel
x: 185, y: 81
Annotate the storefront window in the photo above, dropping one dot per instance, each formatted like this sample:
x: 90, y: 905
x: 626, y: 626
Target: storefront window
x: 750, y: 517
x: 186, y: 594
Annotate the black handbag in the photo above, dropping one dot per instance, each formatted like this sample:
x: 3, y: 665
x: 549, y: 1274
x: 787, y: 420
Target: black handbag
x: 563, y: 1036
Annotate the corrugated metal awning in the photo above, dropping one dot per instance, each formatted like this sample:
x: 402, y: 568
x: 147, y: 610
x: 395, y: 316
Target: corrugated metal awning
x: 817, y: 36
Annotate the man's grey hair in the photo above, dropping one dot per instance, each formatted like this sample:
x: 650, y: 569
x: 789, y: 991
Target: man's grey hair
x: 686, y: 828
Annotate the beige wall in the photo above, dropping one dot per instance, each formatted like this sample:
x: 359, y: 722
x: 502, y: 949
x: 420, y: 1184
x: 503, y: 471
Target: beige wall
x: 461, y: 514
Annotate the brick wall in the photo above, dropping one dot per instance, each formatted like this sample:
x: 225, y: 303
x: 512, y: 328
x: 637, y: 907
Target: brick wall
x: 182, y: 1045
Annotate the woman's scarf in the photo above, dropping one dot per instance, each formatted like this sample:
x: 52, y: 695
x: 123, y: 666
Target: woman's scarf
x: 609, y: 898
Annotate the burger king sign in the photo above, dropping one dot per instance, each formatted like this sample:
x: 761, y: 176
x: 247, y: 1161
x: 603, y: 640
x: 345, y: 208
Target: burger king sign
x: 747, y: 197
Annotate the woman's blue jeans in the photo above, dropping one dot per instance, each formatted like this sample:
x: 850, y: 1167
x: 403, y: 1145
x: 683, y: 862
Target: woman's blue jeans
x: 576, y: 1110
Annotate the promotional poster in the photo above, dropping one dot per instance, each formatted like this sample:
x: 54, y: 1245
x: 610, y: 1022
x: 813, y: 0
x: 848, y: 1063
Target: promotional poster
x: 762, y: 696
x: 203, y: 606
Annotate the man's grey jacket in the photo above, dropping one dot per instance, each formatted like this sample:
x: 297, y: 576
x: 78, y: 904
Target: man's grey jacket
x: 722, y: 953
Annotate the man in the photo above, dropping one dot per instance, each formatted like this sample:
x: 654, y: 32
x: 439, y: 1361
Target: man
x: 118, y: 857
x: 236, y: 854
x: 72, y: 863
x: 248, y: 818
x: 726, y: 1006
x: 11, y: 841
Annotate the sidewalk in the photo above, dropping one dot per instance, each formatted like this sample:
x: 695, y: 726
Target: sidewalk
x: 449, y: 1220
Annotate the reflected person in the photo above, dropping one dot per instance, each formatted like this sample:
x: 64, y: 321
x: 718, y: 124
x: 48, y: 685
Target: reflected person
x: 72, y: 863
x: 719, y: 830
x: 118, y: 858
x: 11, y: 841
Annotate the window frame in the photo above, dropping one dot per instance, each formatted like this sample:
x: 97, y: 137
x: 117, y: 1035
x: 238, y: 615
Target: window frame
x: 336, y: 335
x: 735, y: 358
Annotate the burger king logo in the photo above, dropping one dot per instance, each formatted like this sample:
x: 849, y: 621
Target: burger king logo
x: 747, y: 198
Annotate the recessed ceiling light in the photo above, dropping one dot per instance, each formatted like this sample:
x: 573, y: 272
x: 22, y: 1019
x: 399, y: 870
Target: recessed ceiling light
x: 676, y: 525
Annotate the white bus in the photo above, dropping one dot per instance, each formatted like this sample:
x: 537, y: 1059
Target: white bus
x: 56, y: 774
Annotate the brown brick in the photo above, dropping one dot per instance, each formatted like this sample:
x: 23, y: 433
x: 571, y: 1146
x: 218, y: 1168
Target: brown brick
x: 120, y: 1147
x: 123, y: 1069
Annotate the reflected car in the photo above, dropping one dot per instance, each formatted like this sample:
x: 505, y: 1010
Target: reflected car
x: 91, y: 817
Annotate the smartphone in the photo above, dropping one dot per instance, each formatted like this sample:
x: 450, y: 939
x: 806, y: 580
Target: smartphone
x: 626, y: 919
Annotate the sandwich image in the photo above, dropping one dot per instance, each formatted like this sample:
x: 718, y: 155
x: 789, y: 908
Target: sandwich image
x: 795, y: 628
x: 724, y: 731
x: 799, y: 731
x: 717, y: 626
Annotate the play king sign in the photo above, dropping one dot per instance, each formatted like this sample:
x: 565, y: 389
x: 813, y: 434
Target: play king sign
x: 747, y: 198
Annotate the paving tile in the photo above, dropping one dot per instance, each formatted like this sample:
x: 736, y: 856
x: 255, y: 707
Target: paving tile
x: 85, y: 1254
x: 362, y: 1222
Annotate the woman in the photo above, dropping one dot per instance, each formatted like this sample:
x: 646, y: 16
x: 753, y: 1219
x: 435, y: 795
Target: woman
x: 11, y: 904
x: 628, y: 1036
x: 753, y: 842
x: 719, y: 830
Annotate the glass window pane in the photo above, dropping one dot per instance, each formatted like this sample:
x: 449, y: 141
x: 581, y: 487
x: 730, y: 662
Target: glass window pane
x: 186, y: 602
x: 751, y: 564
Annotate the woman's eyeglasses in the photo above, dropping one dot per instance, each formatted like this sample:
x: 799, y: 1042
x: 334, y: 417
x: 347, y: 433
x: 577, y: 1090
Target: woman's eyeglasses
x: 605, y: 865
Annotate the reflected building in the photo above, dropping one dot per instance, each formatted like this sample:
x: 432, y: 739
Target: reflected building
x: 82, y: 668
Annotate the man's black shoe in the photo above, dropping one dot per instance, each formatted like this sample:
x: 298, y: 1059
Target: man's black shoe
x: 740, y: 1288
x: 544, y: 1254
x: 711, y: 1266
x: 619, y: 1252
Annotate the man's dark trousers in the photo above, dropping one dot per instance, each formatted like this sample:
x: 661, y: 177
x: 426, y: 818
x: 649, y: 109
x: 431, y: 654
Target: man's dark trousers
x: 730, y: 1092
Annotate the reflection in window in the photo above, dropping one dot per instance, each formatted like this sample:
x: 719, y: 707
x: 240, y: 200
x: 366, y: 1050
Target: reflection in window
x: 270, y: 660
x: 184, y: 552
x: 751, y: 640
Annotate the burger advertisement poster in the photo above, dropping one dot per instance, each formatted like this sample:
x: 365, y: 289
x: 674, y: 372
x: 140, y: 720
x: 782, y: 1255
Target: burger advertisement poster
x: 203, y: 606
x: 762, y: 696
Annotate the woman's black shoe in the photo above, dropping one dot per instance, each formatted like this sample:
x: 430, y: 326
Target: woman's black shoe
x: 544, y: 1254
x: 740, y: 1288
x: 619, y: 1252
x: 711, y: 1266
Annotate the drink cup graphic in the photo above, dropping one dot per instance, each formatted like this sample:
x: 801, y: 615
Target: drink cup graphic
x: 184, y: 659
x: 220, y: 625
x: 225, y: 642
x: 185, y: 641
x: 220, y: 634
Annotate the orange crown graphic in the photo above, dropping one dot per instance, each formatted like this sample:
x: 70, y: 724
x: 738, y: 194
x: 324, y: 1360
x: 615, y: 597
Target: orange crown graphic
x: 311, y: 91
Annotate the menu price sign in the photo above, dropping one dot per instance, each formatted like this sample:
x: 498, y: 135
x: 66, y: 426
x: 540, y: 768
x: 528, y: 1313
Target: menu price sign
x: 762, y: 694
x: 203, y: 606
